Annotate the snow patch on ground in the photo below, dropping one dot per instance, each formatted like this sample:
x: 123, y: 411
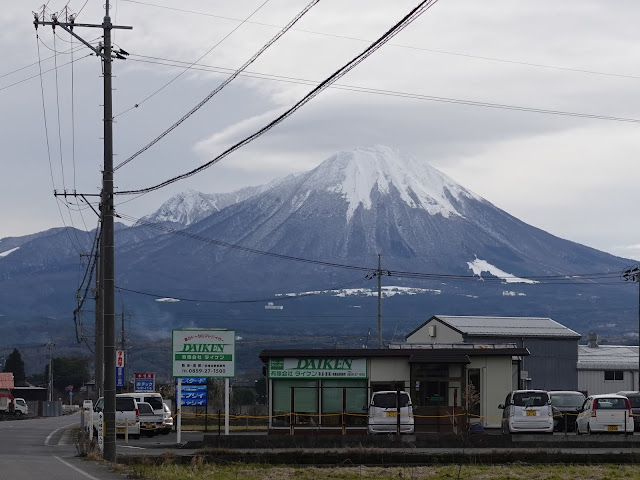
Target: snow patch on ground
x: 367, y: 292
x: 4, y: 254
x: 478, y: 266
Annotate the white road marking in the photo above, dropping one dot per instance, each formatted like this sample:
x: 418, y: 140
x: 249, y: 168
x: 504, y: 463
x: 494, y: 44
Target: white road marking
x: 46, y: 440
x: 77, y: 469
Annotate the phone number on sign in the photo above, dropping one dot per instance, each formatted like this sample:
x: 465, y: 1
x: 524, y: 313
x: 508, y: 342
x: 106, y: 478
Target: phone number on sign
x: 204, y: 370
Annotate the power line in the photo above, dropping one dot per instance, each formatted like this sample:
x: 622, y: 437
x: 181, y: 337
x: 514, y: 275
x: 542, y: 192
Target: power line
x: 137, y: 105
x: 398, y: 27
x: 232, y: 77
x: 254, y: 300
x: 563, y: 278
x: 414, y: 96
x: 411, y: 47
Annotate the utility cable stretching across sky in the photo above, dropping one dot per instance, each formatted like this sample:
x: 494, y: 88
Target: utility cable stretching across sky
x: 223, y: 84
x: 191, y: 64
x: 564, y: 278
x: 388, y: 35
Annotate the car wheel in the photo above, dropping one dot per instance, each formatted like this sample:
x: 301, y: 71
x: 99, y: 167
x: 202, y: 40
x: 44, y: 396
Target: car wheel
x: 17, y: 413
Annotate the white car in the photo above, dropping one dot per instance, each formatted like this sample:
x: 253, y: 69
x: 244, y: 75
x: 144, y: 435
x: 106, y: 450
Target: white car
x: 605, y: 413
x: 527, y: 411
x: 387, y: 410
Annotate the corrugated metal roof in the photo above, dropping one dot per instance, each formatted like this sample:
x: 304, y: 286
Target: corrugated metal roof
x: 508, y: 326
x: 608, y: 357
x: 6, y: 380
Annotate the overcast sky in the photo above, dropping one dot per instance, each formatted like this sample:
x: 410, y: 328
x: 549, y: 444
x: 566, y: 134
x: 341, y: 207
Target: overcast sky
x: 573, y: 177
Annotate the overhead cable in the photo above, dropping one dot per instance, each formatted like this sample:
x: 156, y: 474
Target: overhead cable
x: 564, y: 278
x: 389, y: 34
x: 222, y: 85
x: 409, y: 95
x: 411, y: 47
x: 191, y: 64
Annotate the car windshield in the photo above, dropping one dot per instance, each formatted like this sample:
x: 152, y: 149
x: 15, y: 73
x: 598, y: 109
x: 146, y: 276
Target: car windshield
x: 611, y: 403
x: 567, y: 400
x: 125, y: 404
x: 388, y: 400
x: 156, y: 402
x: 530, y: 399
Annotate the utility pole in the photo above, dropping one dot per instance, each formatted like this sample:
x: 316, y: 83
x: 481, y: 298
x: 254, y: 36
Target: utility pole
x: 633, y: 274
x: 50, y: 379
x: 379, y: 274
x: 107, y: 268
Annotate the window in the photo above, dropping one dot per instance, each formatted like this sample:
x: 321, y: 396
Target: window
x: 332, y: 397
x: 305, y: 402
x: 613, y: 375
x: 530, y: 399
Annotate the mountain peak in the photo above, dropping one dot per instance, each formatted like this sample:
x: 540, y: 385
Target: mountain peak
x: 358, y: 173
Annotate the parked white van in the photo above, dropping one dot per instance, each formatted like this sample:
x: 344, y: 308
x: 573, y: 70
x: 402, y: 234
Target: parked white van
x: 605, y: 413
x: 387, y: 409
x: 152, y: 398
x: 527, y: 411
x: 127, y: 416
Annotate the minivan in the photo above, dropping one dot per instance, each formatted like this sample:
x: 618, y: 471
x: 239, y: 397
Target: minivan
x: 527, y: 411
x: 152, y: 398
x: 634, y: 399
x: 127, y: 415
x: 605, y: 413
x: 387, y: 410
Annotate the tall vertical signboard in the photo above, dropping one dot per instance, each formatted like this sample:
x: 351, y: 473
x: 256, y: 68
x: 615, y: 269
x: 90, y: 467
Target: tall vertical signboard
x: 203, y: 353
x: 119, y: 368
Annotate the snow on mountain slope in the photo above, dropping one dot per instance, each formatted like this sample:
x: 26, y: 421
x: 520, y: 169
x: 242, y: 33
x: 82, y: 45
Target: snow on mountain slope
x: 478, y: 266
x: 191, y: 206
x: 358, y: 173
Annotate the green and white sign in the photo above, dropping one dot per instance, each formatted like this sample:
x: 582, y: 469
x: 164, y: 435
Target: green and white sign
x: 203, y: 353
x: 337, y: 367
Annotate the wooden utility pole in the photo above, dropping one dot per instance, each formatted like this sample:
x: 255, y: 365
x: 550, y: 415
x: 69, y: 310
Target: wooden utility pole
x: 107, y: 261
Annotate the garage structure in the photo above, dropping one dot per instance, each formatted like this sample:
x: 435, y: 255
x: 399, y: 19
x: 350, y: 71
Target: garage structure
x: 327, y: 391
x: 607, y: 368
x: 552, y: 364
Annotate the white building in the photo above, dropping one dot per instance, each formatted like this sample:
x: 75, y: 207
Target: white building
x: 607, y: 368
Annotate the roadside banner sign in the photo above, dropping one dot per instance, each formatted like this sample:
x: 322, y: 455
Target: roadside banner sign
x: 119, y: 376
x: 144, y: 382
x: 120, y: 358
x: 194, y: 381
x: 203, y: 353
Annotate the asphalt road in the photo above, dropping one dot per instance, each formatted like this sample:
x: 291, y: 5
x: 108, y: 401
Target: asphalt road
x: 44, y: 448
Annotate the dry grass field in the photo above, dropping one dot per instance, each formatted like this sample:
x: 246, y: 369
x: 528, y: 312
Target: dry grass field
x: 198, y: 470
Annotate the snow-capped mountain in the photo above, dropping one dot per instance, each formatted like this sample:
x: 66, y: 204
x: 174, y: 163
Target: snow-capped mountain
x: 323, y: 230
x: 191, y: 206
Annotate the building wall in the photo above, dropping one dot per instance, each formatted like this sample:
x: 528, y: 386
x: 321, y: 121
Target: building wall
x: 443, y: 334
x: 495, y: 385
x: 593, y: 383
x: 389, y: 369
x: 552, y: 364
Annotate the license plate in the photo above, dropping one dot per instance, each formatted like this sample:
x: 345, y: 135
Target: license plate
x: 119, y: 430
x: 391, y: 414
x: 612, y: 428
x: 532, y: 413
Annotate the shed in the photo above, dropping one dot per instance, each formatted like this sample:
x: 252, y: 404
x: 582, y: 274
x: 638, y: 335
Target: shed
x: 553, y: 347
